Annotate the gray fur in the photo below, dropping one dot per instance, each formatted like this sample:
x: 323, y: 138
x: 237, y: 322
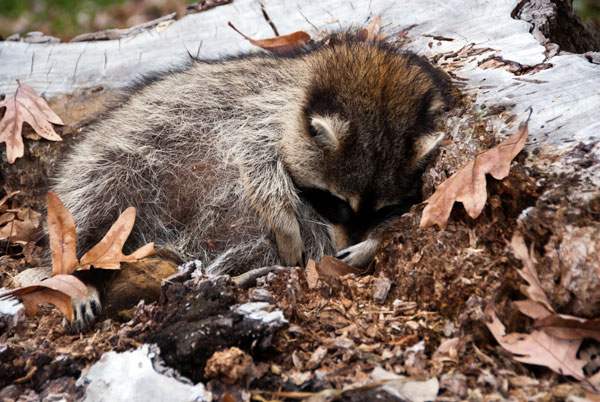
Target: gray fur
x: 211, y: 158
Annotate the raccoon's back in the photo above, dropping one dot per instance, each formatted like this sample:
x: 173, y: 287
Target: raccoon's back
x: 172, y: 151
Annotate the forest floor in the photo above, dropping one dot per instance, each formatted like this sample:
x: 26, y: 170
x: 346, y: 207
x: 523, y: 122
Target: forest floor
x: 413, y: 326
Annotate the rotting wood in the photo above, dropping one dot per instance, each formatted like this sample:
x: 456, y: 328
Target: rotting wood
x: 498, y: 58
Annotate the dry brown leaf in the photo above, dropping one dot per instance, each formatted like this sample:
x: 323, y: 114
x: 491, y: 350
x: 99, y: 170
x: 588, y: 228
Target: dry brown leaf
x: 534, y: 291
x: 142, y: 252
x: 468, y: 185
x: 6, y: 197
x: 7, y: 217
x: 372, y: 33
x: 532, y: 309
x: 279, y: 44
x: 57, y: 290
x: 25, y: 106
x: 63, y: 241
x: 540, y: 348
x: 332, y: 267
x: 312, y: 276
x: 108, y: 253
x: 61, y: 287
x: 569, y: 327
x: 24, y: 227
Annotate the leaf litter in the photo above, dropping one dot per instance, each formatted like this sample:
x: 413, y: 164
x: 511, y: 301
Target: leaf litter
x: 337, y: 355
x: 61, y: 287
x: 555, y: 339
x: 440, y: 283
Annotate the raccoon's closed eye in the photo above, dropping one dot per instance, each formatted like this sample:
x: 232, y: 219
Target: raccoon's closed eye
x: 330, y: 207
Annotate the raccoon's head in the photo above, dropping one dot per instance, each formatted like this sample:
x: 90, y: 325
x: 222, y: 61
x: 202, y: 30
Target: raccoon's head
x: 365, y: 125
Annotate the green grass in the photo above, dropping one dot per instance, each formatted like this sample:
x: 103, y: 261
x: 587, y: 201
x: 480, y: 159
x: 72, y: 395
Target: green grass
x: 588, y: 9
x: 67, y: 18
x: 63, y: 18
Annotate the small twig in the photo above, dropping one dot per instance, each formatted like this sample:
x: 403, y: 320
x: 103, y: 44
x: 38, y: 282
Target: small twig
x: 248, y: 279
x: 27, y: 376
x: 237, y: 30
x: 264, y: 11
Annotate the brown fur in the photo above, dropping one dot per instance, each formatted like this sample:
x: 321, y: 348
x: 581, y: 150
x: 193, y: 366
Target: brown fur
x: 136, y: 281
x: 262, y: 160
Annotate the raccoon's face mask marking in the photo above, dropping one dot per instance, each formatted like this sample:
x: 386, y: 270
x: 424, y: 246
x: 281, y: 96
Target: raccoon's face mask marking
x: 368, y: 172
x: 366, y: 132
x: 356, y: 222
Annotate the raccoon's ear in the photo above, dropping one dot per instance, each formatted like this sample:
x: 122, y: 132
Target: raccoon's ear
x: 424, y: 146
x: 327, y: 130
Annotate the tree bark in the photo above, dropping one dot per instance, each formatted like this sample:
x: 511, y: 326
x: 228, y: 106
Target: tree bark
x: 505, y: 61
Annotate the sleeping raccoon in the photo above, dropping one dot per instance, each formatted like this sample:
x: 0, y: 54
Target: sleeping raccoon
x: 261, y: 160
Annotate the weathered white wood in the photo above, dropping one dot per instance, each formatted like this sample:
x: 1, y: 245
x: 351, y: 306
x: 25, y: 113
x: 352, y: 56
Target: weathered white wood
x: 565, y: 96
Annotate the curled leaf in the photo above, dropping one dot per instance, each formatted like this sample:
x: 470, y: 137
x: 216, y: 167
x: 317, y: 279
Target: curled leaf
x: 108, y: 252
x: 6, y: 197
x: 56, y: 290
x: 279, y: 44
x: 332, y: 267
x: 372, y: 33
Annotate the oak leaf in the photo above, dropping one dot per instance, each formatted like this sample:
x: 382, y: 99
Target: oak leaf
x: 279, y: 44
x: 63, y: 240
x: 57, y: 290
x: 569, y: 327
x: 468, y: 185
x: 25, y: 106
x: 540, y: 348
x: 61, y: 286
x: 534, y: 291
x: 108, y: 252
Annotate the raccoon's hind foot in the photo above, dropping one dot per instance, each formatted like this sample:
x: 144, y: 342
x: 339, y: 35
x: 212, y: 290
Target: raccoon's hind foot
x: 85, y: 311
x: 359, y: 255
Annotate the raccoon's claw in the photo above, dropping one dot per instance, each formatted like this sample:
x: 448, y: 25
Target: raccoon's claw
x: 85, y: 312
x: 359, y: 255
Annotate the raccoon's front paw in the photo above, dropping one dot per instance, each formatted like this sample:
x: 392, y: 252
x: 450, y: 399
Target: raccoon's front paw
x: 359, y: 255
x: 85, y: 312
x: 291, y: 249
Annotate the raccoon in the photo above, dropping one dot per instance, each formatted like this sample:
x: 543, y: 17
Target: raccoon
x: 260, y: 159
